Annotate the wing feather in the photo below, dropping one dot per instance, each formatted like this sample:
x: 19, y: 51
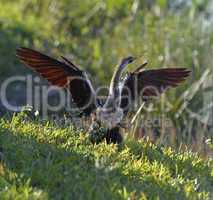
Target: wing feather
x: 150, y: 83
x: 61, y: 74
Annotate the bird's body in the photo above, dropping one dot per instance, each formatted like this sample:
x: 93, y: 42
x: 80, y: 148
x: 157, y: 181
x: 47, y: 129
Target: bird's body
x: 122, y: 92
x: 111, y: 113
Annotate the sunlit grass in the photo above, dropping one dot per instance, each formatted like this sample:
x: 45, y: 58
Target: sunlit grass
x: 44, y: 161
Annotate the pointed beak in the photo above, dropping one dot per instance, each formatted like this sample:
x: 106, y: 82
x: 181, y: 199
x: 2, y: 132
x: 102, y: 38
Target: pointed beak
x: 138, y: 57
x: 134, y: 58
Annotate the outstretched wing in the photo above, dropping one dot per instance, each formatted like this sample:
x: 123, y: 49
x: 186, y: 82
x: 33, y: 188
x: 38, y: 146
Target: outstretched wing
x: 62, y: 74
x: 150, y: 83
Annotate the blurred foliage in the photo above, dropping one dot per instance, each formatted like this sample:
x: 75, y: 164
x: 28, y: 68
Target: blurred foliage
x: 96, y: 34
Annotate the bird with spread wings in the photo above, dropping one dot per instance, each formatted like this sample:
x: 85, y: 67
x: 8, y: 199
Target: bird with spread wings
x: 122, y: 94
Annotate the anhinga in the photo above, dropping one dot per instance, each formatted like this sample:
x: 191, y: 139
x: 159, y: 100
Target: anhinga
x: 122, y: 92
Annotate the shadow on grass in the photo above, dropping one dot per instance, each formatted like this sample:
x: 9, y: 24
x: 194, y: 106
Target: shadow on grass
x: 72, y: 173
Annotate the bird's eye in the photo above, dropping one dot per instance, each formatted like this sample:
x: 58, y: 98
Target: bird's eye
x: 130, y: 60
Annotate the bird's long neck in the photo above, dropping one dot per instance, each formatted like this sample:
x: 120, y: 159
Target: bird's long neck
x: 114, y: 84
x: 112, y: 114
x: 113, y: 99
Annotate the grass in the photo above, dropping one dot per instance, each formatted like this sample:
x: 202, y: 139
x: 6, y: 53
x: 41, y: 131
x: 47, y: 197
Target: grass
x: 45, y: 161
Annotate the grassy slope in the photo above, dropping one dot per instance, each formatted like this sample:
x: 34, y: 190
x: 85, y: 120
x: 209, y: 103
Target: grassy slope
x: 50, y: 162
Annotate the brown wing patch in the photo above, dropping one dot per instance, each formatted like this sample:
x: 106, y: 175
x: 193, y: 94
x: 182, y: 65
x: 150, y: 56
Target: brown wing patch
x: 150, y: 83
x: 54, y: 71
x: 61, y: 74
x: 154, y: 82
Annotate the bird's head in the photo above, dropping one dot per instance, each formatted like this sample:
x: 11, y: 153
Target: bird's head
x: 128, y: 60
